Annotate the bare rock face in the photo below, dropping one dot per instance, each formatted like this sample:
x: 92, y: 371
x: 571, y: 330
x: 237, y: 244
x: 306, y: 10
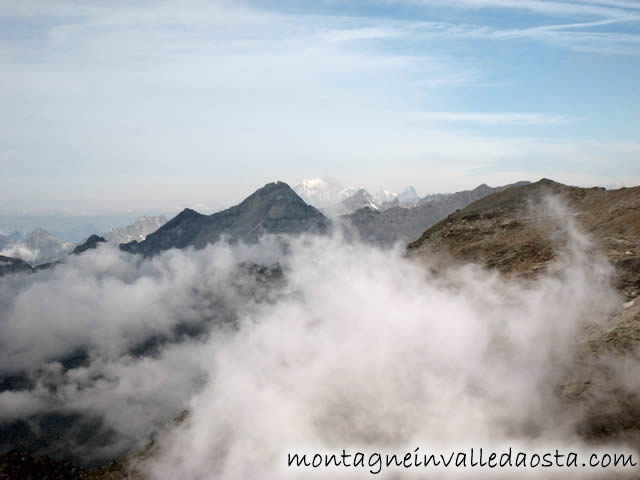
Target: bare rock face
x: 275, y: 208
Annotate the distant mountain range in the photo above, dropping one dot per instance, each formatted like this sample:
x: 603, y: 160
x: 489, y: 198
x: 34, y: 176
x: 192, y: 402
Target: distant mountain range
x: 275, y: 208
x: 403, y: 224
x: 360, y: 199
x: 330, y: 197
x: 321, y: 193
x: 42, y: 248
x: 37, y: 247
x: 136, y: 231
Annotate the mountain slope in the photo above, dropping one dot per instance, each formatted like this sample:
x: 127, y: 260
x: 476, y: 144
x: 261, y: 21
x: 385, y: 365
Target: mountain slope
x: 275, y: 208
x: 398, y: 224
x: 90, y: 244
x: 501, y: 231
x: 138, y: 230
x: 360, y: 199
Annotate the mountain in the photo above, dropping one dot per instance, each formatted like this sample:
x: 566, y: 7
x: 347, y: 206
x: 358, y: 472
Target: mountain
x: 436, y: 197
x: 384, y: 196
x: 13, y: 265
x: 319, y: 192
x: 90, y: 244
x: 275, y: 208
x: 501, y: 232
x: 359, y: 199
x: 38, y: 247
x: 139, y: 230
x: 497, y: 230
x: 329, y: 195
x: 398, y: 224
x: 18, y: 265
x: 408, y: 195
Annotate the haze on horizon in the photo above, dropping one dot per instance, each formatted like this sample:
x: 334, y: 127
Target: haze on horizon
x: 151, y: 106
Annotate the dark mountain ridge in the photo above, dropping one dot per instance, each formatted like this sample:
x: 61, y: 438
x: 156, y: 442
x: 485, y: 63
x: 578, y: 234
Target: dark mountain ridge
x: 274, y: 208
x: 13, y: 265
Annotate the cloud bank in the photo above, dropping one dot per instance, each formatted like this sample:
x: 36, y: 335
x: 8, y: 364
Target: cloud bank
x: 350, y: 346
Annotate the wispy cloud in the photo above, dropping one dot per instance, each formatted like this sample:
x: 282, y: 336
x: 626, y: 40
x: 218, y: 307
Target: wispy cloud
x: 123, y: 89
x: 619, y: 10
x: 494, y: 118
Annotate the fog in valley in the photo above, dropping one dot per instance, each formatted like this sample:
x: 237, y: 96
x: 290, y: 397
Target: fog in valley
x: 314, y: 343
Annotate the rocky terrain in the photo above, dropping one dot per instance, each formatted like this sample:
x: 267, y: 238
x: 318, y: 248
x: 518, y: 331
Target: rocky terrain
x: 511, y: 233
x: 504, y: 230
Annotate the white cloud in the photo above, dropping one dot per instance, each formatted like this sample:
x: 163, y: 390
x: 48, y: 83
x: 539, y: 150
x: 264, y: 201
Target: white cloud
x: 359, y: 345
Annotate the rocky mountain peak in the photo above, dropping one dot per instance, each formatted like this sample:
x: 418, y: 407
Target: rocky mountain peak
x: 275, y: 208
x: 90, y: 244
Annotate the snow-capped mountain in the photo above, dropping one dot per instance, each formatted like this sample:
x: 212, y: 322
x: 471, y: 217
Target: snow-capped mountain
x: 331, y: 197
x: 384, y: 196
x: 321, y: 193
x: 359, y: 199
x: 138, y: 230
x: 38, y: 247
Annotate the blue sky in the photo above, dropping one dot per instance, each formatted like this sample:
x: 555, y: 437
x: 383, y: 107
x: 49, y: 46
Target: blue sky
x: 148, y: 106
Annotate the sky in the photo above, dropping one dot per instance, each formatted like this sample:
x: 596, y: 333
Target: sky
x: 148, y: 106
